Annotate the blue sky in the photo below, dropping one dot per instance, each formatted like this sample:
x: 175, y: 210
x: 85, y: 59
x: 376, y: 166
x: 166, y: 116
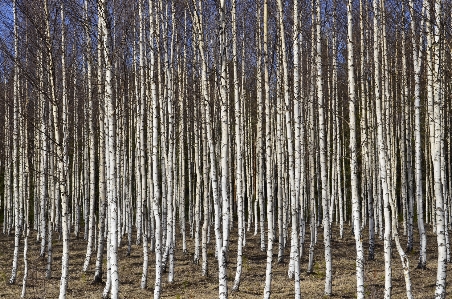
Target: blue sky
x: 6, y: 23
x: 6, y: 17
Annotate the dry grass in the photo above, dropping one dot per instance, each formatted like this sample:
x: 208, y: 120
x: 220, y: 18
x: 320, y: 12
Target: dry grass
x: 190, y: 284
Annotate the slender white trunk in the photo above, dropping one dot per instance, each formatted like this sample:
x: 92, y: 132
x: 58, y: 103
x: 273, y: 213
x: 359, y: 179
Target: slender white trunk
x: 50, y: 219
x: 15, y: 153
x: 300, y: 141
x: 417, y: 53
x: 141, y: 167
x: 312, y: 150
x: 102, y: 160
x: 268, y: 143
x: 63, y: 160
x: 238, y: 149
x: 44, y: 160
x: 198, y: 168
x: 26, y: 198
x: 112, y: 210
x: 155, y: 159
x: 169, y: 158
x: 382, y: 154
x: 354, y: 156
x: 206, y: 197
x: 92, y: 195
x: 435, y: 146
x: 279, y: 176
x: 407, y: 144
x: 323, y: 153
x: 224, y: 156
x: 260, y: 186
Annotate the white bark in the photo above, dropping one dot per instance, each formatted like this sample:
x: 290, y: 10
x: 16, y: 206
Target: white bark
x: 323, y: 153
x: 224, y: 157
x: 268, y: 143
x: 354, y: 156
x: 155, y: 160
x: 407, y: 144
x: 260, y: 153
x: 169, y: 158
x: 63, y: 160
x: 91, y: 228
x: 44, y: 161
x: 16, y: 141
x: 382, y: 154
x: 102, y: 160
x: 111, y: 153
x: 312, y: 150
x: 141, y: 167
x: 417, y: 135
x: 198, y: 168
x: 435, y: 147
x: 261, y: 146
x: 27, y: 230
x: 206, y: 197
x: 239, y: 150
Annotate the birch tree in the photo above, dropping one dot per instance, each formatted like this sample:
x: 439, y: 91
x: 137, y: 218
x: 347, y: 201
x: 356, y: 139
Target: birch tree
x: 353, y: 160
x: 435, y: 101
x: 15, y: 155
x: 322, y: 149
x: 238, y: 148
x: 110, y: 149
x: 268, y: 166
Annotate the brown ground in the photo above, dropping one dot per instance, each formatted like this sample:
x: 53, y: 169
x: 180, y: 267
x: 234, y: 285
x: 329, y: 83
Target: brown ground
x: 190, y: 284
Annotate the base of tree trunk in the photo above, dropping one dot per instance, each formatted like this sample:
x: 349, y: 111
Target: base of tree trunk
x: 421, y: 266
x: 97, y: 280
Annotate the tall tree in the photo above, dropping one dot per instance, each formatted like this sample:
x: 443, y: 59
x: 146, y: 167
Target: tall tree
x: 353, y: 152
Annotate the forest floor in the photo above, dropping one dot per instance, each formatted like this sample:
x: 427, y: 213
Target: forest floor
x: 188, y: 282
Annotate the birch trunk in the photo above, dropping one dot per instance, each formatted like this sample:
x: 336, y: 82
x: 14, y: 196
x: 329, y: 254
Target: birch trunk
x: 354, y: 158
x: 417, y: 135
x: 323, y: 153
x: 382, y: 154
x: 435, y: 147
x: 155, y: 158
x: 63, y: 160
x: 102, y: 159
x: 15, y: 152
x: 111, y: 149
x: 92, y: 195
x: 268, y: 143
x: 239, y: 158
x: 141, y: 169
x: 225, y: 209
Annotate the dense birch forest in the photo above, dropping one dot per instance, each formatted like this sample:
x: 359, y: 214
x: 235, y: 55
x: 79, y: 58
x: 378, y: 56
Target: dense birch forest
x: 201, y: 128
